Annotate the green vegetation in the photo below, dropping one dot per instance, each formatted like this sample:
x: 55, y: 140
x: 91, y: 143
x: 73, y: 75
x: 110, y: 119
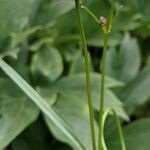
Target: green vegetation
x: 74, y: 74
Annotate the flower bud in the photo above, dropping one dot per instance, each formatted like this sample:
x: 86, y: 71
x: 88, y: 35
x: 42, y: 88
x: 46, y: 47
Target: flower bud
x: 103, y: 21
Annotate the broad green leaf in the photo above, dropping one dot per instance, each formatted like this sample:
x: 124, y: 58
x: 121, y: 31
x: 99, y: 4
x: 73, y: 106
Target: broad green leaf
x: 111, y: 101
x: 41, y: 103
x: 78, y: 66
x: 136, y: 136
x: 71, y: 103
x: 47, y: 62
x: 18, y: 38
x: 75, y: 111
x: 137, y: 91
x: 16, y: 112
x: 141, y: 7
x: 65, y: 34
x: 50, y: 11
x: 15, y: 15
x: 136, y: 16
x: 78, y: 82
x: 34, y: 47
x: 37, y: 136
x: 71, y: 92
x: 124, y: 64
x: 76, y: 86
x: 16, y: 42
x: 70, y: 52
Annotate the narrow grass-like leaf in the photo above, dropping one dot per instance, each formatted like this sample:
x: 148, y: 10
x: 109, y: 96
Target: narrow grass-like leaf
x: 41, y: 103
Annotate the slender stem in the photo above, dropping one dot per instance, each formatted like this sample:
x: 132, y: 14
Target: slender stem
x: 121, y: 137
x: 111, y: 16
x: 102, y: 92
x: 87, y: 66
x: 90, y: 13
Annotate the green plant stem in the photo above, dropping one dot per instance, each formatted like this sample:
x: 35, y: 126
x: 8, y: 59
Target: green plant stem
x: 87, y: 66
x: 111, y: 16
x: 121, y: 137
x: 102, y: 92
x: 122, y: 141
x: 91, y: 14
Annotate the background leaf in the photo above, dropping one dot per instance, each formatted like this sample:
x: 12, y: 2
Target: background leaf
x: 41, y: 103
x: 136, y: 92
x: 52, y: 10
x: 47, y: 62
x: 73, y: 110
x: 12, y: 21
x: 75, y: 85
x: 124, y: 64
x: 16, y: 111
x: 136, y: 132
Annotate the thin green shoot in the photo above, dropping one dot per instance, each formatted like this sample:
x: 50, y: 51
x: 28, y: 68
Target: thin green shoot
x: 90, y: 13
x: 117, y: 12
x: 121, y: 136
x: 106, y: 29
x: 87, y: 66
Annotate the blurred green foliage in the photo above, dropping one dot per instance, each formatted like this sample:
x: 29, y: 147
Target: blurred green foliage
x: 40, y: 39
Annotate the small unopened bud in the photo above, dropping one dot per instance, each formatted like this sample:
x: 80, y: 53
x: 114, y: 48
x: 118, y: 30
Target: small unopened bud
x: 103, y: 21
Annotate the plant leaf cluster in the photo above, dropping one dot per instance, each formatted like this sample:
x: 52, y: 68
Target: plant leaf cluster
x: 39, y: 39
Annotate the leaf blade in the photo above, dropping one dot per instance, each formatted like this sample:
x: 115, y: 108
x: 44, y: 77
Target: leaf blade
x: 41, y: 103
